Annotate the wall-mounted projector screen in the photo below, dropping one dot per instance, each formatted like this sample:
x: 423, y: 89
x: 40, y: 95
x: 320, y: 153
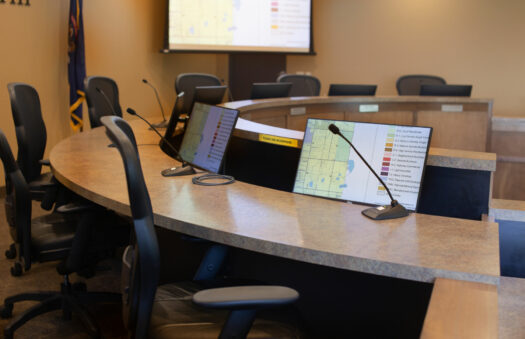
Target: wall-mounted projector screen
x: 239, y: 26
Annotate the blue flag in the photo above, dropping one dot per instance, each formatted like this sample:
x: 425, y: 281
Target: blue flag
x: 76, y: 64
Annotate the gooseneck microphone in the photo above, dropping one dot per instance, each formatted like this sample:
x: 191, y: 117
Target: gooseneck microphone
x: 185, y: 169
x: 164, y: 122
x: 395, y: 210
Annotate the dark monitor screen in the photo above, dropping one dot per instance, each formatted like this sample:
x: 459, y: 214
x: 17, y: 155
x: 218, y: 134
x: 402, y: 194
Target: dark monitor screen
x: 446, y: 90
x: 267, y: 90
x: 207, y: 136
x: 329, y: 168
x: 211, y: 95
x: 341, y: 90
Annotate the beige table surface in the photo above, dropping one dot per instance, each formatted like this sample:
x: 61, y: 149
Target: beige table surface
x: 419, y: 247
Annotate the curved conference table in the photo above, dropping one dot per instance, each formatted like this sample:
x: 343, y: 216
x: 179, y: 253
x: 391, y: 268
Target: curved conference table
x: 308, y: 229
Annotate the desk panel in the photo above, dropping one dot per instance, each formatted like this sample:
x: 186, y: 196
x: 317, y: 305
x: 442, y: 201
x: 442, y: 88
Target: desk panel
x: 419, y: 247
x: 450, y: 116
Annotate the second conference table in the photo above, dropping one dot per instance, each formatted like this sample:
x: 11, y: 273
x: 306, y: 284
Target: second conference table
x: 303, y: 228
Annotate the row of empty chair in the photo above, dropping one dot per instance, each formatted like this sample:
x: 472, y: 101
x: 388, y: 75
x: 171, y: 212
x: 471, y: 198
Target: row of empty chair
x: 79, y: 237
x: 103, y: 97
x: 308, y: 85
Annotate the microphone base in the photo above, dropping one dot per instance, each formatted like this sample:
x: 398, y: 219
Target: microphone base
x: 385, y: 212
x: 162, y: 124
x: 178, y: 171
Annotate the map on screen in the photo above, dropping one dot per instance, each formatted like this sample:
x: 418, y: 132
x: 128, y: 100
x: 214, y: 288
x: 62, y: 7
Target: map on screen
x: 257, y: 25
x: 207, y: 136
x: 328, y: 167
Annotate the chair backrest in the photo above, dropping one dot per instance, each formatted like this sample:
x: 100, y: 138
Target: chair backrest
x: 17, y: 202
x: 30, y: 129
x: 302, y: 85
x: 343, y: 89
x: 411, y: 84
x: 186, y: 82
x: 142, y: 258
x: 101, y: 102
x: 268, y: 90
x: 446, y: 90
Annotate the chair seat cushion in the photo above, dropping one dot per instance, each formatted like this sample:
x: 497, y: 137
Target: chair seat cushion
x: 175, y: 315
x: 52, y: 232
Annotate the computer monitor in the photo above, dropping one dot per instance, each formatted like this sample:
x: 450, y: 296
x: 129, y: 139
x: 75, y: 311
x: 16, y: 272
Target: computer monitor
x: 211, y: 95
x: 341, y: 90
x: 267, y: 90
x: 207, y: 136
x: 171, y: 134
x: 329, y: 168
x: 446, y: 90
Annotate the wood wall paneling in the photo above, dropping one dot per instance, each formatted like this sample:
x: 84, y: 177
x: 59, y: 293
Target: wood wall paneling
x: 460, y: 309
x: 382, y: 117
x: 298, y: 122
x: 466, y: 131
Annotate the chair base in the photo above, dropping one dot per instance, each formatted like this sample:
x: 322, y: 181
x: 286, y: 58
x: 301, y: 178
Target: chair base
x: 70, y: 299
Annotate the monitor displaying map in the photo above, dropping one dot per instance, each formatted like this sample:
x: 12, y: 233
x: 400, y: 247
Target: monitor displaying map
x: 239, y: 25
x: 207, y: 136
x: 329, y: 168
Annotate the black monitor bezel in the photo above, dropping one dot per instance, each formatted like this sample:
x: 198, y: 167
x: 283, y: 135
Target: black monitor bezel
x: 445, y: 90
x: 197, y: 90
x: 371, y: 123
x: 227, y: 144
x: 360, y: 88
x: 256, y: 86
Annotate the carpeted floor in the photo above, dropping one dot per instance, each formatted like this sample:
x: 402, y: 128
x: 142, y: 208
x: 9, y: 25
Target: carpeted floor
x: 43, y: 276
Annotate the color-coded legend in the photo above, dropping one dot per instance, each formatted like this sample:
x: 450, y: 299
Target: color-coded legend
x: 387, y: 158
x: 275, y: 15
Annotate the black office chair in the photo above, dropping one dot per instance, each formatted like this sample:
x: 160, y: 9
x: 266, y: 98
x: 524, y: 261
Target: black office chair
x: 302, y: 85
x: 168, y: 311
x: 351, y: 90
x: 48, y: 238
x: 31, y: 137
x: 446, y: 90
x: 268, y: 90
x: 102, y: 98
x: 411, y: 84
x: 31, y: 237
x: 186, y: 82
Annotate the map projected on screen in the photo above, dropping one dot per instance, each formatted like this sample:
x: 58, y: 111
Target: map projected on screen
x: 240, y: 25
x: 207, y: 136
x: 328, y: 167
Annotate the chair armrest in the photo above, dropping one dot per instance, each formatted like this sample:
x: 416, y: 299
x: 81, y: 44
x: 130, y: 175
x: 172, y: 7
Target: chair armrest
x: 75, y: 207
x: 45, y: 162
x: 246, y: 297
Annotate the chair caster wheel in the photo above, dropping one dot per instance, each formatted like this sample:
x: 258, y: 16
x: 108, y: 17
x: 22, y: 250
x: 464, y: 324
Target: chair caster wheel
x: 6, y: 311
x: 16, y: 270
x: 11, y: 252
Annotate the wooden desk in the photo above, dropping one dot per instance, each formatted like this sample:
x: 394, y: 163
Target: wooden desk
x: 449, y: 116
x: 419, y: 247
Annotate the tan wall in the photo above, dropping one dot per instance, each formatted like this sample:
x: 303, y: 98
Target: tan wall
x: 478, y: 42
x: 34, y: 50
x: 123, y: 39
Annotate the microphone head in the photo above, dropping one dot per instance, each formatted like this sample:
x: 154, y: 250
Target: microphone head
x: 145, y: 81
x: 131, y: 111
x: 334, y: 129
